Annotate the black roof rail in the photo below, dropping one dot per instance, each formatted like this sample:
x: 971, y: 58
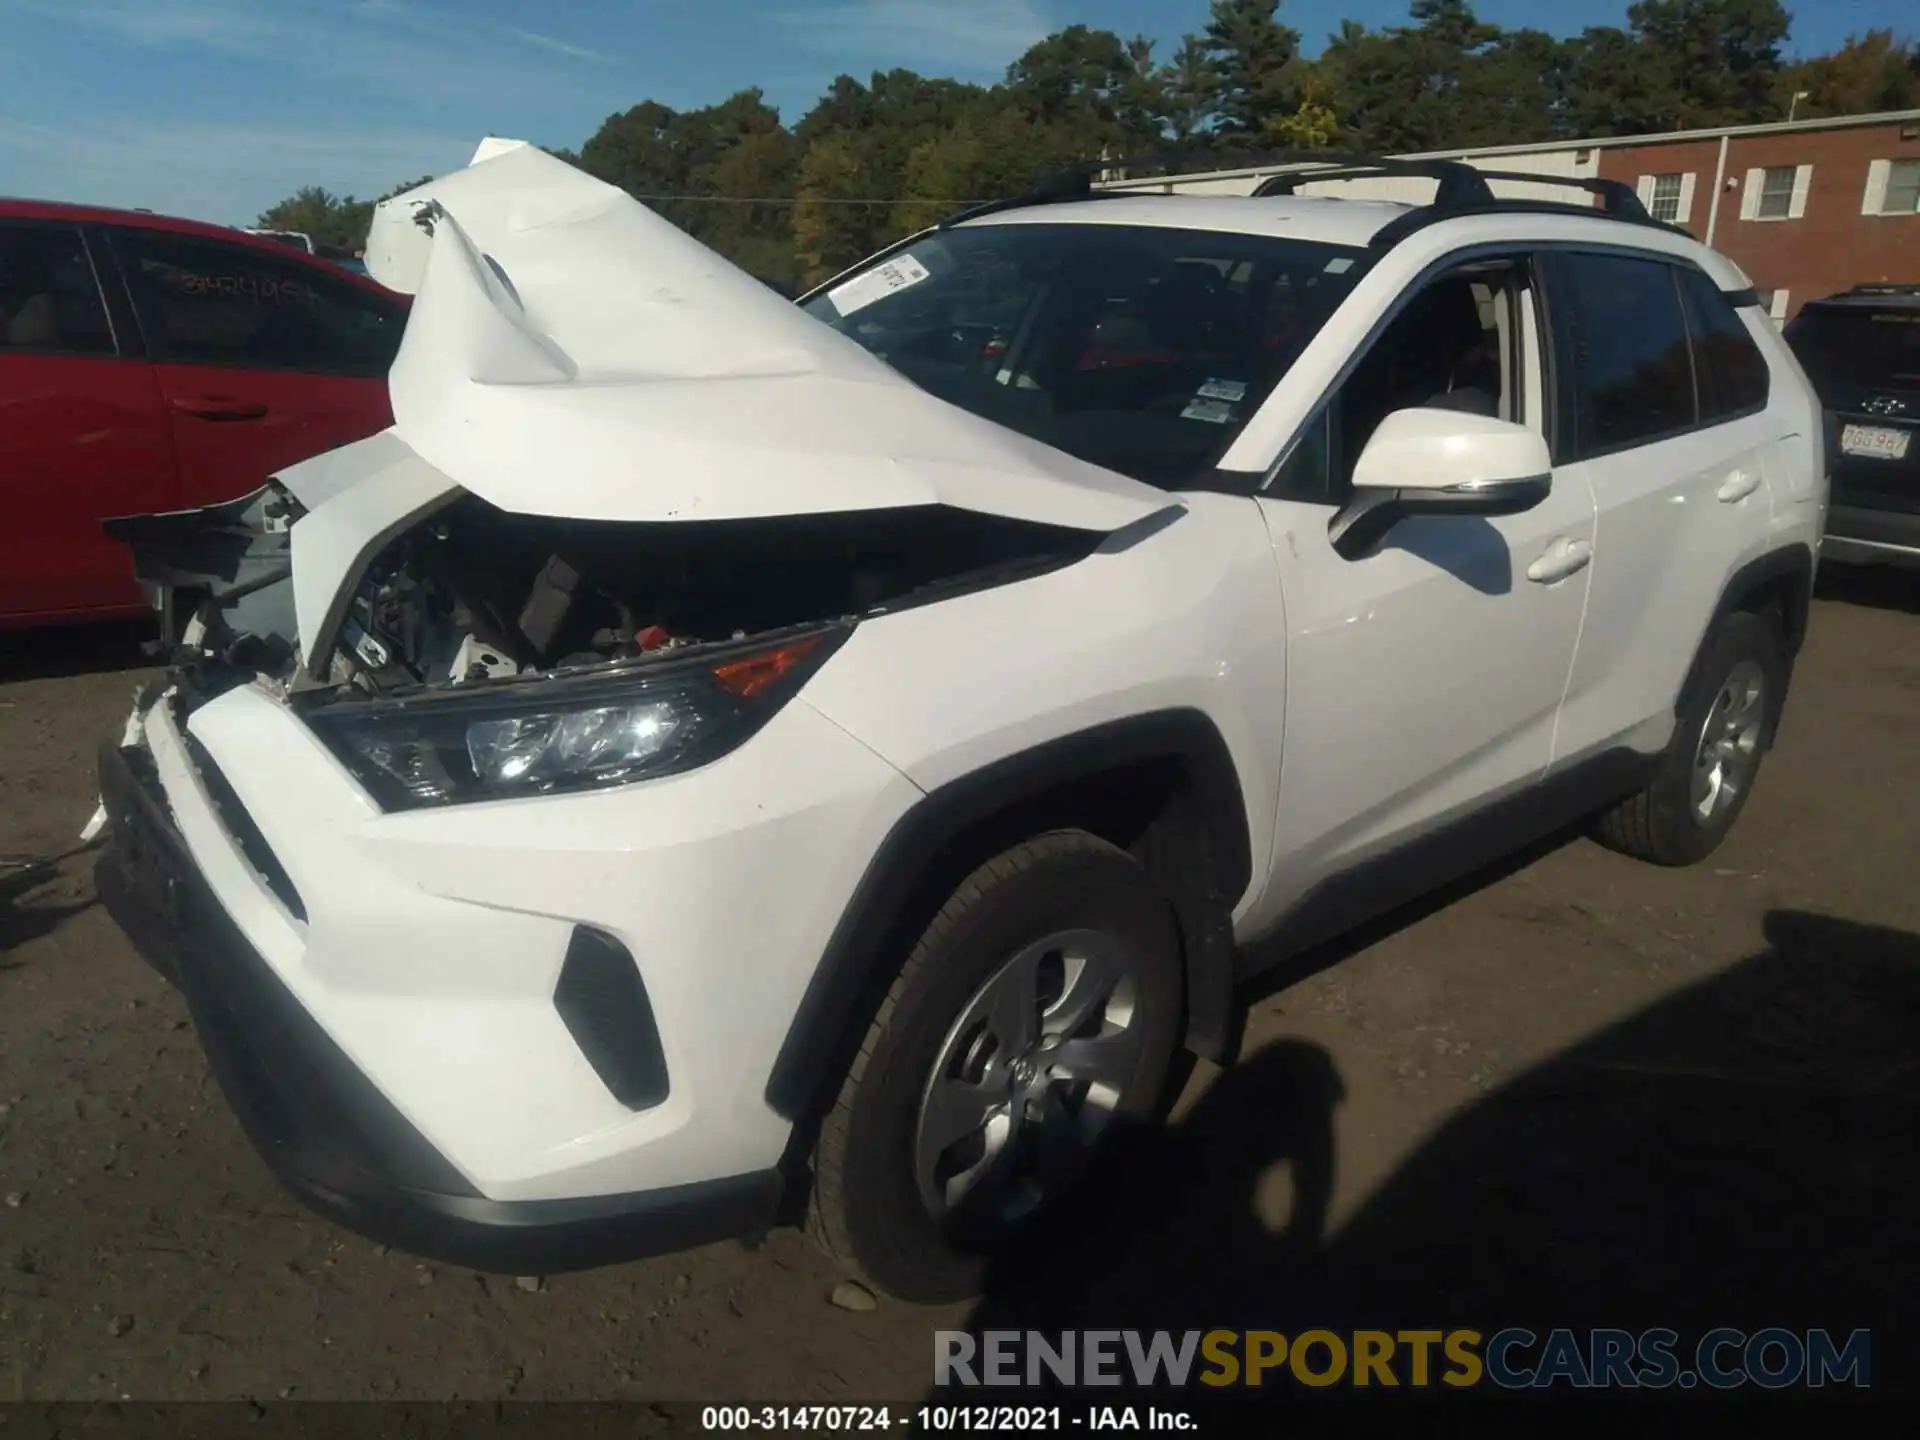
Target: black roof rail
x: 1462, y: 189
x: 1460, y: 184
x: 1617, y: 199
x: 1883, y: 289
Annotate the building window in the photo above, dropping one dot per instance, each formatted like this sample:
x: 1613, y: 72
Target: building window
x: 1666, y: 197
x: 1776, y: 193
x: 1893, y: 188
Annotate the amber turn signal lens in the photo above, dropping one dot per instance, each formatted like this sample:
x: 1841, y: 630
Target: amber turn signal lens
x: 746, y: 679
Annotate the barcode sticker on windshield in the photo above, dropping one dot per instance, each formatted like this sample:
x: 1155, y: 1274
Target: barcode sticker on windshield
x: 1229, y: 390
x: 881, y: 281
x: 1214, y: 412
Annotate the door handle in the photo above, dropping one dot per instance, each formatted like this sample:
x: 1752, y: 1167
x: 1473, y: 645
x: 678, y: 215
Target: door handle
x: 218, y: 407
x: 1562, y: 558
x: 1737, y: 486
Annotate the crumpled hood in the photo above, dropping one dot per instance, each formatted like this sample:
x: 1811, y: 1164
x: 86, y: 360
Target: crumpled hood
x: 571, y: 353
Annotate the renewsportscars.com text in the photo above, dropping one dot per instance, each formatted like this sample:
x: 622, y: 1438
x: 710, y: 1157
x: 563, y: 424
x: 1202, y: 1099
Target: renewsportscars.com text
x: 1513, y: 1358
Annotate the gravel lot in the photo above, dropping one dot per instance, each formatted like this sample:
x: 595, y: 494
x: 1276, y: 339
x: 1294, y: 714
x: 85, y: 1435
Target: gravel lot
x: 1579, y: 1092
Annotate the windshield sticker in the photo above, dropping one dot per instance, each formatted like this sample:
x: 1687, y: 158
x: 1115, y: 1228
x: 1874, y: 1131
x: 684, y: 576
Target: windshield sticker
x: 1223, y: 390
x: 1339, y: 265
x: 1214, y: 412
x: 881, y: 281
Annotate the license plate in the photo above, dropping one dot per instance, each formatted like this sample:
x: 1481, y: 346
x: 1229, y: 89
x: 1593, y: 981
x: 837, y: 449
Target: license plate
x: 1881, y: 442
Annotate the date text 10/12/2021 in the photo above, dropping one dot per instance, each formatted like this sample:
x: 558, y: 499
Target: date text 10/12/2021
x: 943, y: 1419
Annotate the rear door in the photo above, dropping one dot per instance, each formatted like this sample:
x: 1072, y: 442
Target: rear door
x: 262, y: 359
x: 82, y: 432
x: 1666, y: 395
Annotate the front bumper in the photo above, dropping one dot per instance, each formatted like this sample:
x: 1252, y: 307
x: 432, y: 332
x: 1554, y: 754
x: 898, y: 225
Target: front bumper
x: 389, y: 1003
x: 321, y: 1125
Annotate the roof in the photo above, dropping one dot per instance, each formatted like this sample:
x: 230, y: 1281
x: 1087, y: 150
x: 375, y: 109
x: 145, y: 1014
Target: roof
x: 60, y: 210
x: 1590, y: 142
x: 1299, y: 217
x: 21, y: 209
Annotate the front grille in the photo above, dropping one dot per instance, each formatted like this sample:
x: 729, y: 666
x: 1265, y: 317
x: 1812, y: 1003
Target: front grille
x: 245, y: 833
x: 603, y: 1003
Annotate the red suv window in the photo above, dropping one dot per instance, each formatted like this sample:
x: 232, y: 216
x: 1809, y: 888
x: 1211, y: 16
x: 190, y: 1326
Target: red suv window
x: 231, y: 305
x: 49, y: 300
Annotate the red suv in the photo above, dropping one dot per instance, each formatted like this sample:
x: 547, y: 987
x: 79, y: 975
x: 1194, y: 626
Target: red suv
x: 152, y: 364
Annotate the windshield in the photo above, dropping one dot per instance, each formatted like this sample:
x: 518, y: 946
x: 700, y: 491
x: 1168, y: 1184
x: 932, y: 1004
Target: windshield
x: 1143, y: 349
x: 1858, y: 347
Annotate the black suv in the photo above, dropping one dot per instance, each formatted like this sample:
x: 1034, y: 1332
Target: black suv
x: 1862, y: 352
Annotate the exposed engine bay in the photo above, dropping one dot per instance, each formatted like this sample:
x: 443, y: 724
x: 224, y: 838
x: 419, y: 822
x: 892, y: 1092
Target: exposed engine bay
x: 476, y: 593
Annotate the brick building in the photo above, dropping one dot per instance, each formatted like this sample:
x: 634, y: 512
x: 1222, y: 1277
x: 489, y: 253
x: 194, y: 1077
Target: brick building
x: 1806, y: 207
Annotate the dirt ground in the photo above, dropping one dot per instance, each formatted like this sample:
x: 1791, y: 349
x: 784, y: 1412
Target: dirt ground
x: 1579, y: 1092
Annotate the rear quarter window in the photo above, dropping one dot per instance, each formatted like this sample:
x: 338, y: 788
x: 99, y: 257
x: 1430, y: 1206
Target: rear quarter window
x: 1734, y: 379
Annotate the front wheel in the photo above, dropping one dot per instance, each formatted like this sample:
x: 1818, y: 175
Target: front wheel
x: 1037, y: 1014
x: 1725, y: 724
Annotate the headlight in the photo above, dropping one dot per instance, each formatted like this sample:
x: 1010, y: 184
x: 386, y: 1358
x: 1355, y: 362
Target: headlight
x: 560, y: 733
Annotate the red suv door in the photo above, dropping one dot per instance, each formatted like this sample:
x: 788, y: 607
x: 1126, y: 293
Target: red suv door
x: 82, y: 432
x: 263, y: 357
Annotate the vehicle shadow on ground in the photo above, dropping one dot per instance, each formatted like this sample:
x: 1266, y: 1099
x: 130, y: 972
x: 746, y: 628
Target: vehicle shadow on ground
x: 1879, y: 587
x: 27, y: 910
x: 1742, y: 1154
x: 60, y: 650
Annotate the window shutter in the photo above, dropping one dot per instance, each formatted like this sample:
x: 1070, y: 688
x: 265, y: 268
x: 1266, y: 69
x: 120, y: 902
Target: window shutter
x: 1874, y: 200
x: 1802, y: 179
x: 1686, y: 198
x: 1644, y: 189
x: 1750, y: 193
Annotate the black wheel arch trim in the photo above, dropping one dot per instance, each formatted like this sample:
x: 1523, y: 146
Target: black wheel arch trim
x: 818, y: 1037
x: 1793, y: 564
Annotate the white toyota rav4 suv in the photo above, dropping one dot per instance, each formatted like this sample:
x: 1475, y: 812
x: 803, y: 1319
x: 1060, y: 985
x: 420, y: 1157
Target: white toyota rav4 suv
x: 714, y: 753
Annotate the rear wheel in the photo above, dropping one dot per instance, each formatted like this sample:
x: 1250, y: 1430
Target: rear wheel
x: 1036, y: 1015
x: 1725, y: 725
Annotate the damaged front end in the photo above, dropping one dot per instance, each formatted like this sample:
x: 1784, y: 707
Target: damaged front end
x: 483, y: 654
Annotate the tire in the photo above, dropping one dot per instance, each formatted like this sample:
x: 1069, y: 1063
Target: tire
x: 877, y: 1206
x: 1664, y: 823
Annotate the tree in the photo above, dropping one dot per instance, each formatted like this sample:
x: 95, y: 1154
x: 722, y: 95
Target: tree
x: 1868, y: 73
x: 831, y: 230
x: 329, y: 219
x: 1252, y: 59
x: 1679, y: 65
x: 877, y: 158
x: 1187, y: 91
x: 1723, y: 56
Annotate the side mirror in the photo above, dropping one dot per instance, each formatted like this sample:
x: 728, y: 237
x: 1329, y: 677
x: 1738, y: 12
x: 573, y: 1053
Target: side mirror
x: 1439, y: 462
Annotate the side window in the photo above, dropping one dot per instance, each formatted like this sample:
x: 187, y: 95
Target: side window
x: 1619, y: 325
x: 1733, y: 373
x: 1456, y: 345
x: 49, y: 300
x: 207, y: 303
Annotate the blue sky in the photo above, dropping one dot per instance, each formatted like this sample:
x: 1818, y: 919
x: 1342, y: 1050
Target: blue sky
x: 216, y: 108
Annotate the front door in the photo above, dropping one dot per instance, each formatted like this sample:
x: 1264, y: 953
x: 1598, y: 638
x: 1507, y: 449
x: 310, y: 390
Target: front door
x: 1423, y: 680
